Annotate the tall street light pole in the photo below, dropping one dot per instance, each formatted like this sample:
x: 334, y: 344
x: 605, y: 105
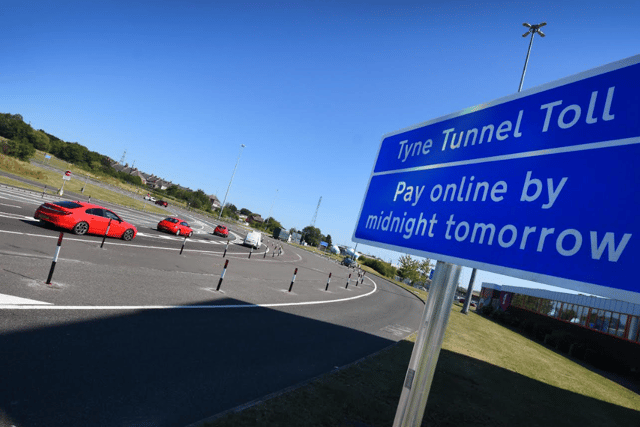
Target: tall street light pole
x: 533, y: 29
x: 230, y: 181
x: 272, y: 203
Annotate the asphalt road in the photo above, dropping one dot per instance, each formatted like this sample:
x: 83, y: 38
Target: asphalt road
x: 135, y: 334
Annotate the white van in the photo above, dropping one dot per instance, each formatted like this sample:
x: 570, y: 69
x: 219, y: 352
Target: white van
x: 253, y: 239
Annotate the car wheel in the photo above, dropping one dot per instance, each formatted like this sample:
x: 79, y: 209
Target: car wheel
x: 190, y: 234
x: 127, y: 235
x: 81, y: 228
x: 177, y: 232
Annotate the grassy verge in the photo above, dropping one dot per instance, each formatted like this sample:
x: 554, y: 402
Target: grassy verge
x: 53, y: 180
x: 486, y: 375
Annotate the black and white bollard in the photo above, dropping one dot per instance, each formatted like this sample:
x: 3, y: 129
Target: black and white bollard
x: 328, y: 281
x: 183, y: 243
x: 105, y: 234
x: 225, y: 250
x: 55, y: 258
x: 43, y: 190
x: 224, y: 270
x: 89, y: 199
x: 293, y: 279
x: 362, y: 278
x: 250, y: 252
x: 265, y: 253
x: 348, y: 281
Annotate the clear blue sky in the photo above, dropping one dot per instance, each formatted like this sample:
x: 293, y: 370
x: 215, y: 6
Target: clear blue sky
x: 309, y: 87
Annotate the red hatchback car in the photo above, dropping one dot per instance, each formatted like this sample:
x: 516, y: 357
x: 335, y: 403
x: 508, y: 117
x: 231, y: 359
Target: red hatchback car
x: 82, y: 218
x: 221, y: 231
x: 176, y: 226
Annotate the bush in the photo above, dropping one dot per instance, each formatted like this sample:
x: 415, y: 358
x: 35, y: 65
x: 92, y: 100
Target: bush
x: 550, y: 340
x: 541, y: 330
x: 594, y: 357
x: 487, y: 310
x: 577, y: 350
x: 381, y: 267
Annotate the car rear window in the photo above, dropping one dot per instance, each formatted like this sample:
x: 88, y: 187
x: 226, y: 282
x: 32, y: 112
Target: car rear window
x: 67, y: 204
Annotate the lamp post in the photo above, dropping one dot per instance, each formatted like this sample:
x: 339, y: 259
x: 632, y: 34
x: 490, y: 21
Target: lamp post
x: 533, y: 29
x: 230, y: 181
x: 273, y: 203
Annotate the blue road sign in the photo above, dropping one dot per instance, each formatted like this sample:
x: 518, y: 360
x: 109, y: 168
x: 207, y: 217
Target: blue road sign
x: 539, y: 185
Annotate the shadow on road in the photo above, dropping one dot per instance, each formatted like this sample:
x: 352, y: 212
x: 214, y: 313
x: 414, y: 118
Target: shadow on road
x: 160, y: 367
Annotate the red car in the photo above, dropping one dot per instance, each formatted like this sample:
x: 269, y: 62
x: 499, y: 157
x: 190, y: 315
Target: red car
x: 82, y: 218
x: 162, y: 203
x: 177, y: 226
x: 221, y: 231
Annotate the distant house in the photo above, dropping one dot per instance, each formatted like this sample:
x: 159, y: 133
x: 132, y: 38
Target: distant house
x: 254, y: 218
x: 215, y: 203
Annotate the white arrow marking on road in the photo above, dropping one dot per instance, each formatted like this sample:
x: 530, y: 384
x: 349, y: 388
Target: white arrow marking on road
x: 11, y: 300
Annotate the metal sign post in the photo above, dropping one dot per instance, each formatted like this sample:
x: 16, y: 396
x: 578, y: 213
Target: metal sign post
x: 65, y: 177
x: 426, y: 350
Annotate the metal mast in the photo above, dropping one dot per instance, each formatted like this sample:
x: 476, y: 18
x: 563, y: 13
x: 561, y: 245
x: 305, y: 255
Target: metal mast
x: 315, y: 215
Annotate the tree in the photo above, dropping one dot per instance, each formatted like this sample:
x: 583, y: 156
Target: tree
x: 271, y: 224
x: 231, y: 207
x: 245, y: 211
x: 293, y: 230
x: 41, y: 141
x: 327, y: 239
x: 409, y: 268
x: 311, y: 235
x: 425, y: 268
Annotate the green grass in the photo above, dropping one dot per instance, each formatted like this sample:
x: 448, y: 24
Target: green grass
x: 53, y: 180
x: 487, y: 375
x: 15, y: 183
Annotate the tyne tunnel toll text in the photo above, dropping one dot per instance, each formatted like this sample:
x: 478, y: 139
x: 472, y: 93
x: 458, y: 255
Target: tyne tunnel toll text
x: 538, y: 185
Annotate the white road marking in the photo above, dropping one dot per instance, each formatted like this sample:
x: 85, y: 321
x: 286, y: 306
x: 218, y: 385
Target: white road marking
x: 179, y: 307
x: 15, y: 216
x: 16, y: 301
x: 11, y: 206
x: 397, y: 330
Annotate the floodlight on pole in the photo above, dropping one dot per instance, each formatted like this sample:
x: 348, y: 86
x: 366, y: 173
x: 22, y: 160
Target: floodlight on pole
x: 533, y: 29
x: 230, y: 181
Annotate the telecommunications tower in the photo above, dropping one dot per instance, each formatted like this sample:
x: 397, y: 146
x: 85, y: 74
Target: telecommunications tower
x: 315, y: 215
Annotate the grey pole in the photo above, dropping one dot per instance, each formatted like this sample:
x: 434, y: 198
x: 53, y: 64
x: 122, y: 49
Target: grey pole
x: 533, y: 29
x: 426, y: 350
x: 467, y: 301
x: 526, y: 61
x: 230, y: 181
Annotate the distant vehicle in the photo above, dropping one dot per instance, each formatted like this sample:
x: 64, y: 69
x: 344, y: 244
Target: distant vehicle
x: 349, y: 262
x: 150, y: 198
x: 83, y: 218
x: 221, y: 231
x: 162, y: 203
x: 334, y: 249
x: 279, y: 233
x: 352, y: 253
x: 177, y: 226
x: 462, y: 300
x: 253, y: 239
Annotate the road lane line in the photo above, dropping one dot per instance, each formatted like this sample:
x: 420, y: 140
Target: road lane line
x: 181, y: 307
